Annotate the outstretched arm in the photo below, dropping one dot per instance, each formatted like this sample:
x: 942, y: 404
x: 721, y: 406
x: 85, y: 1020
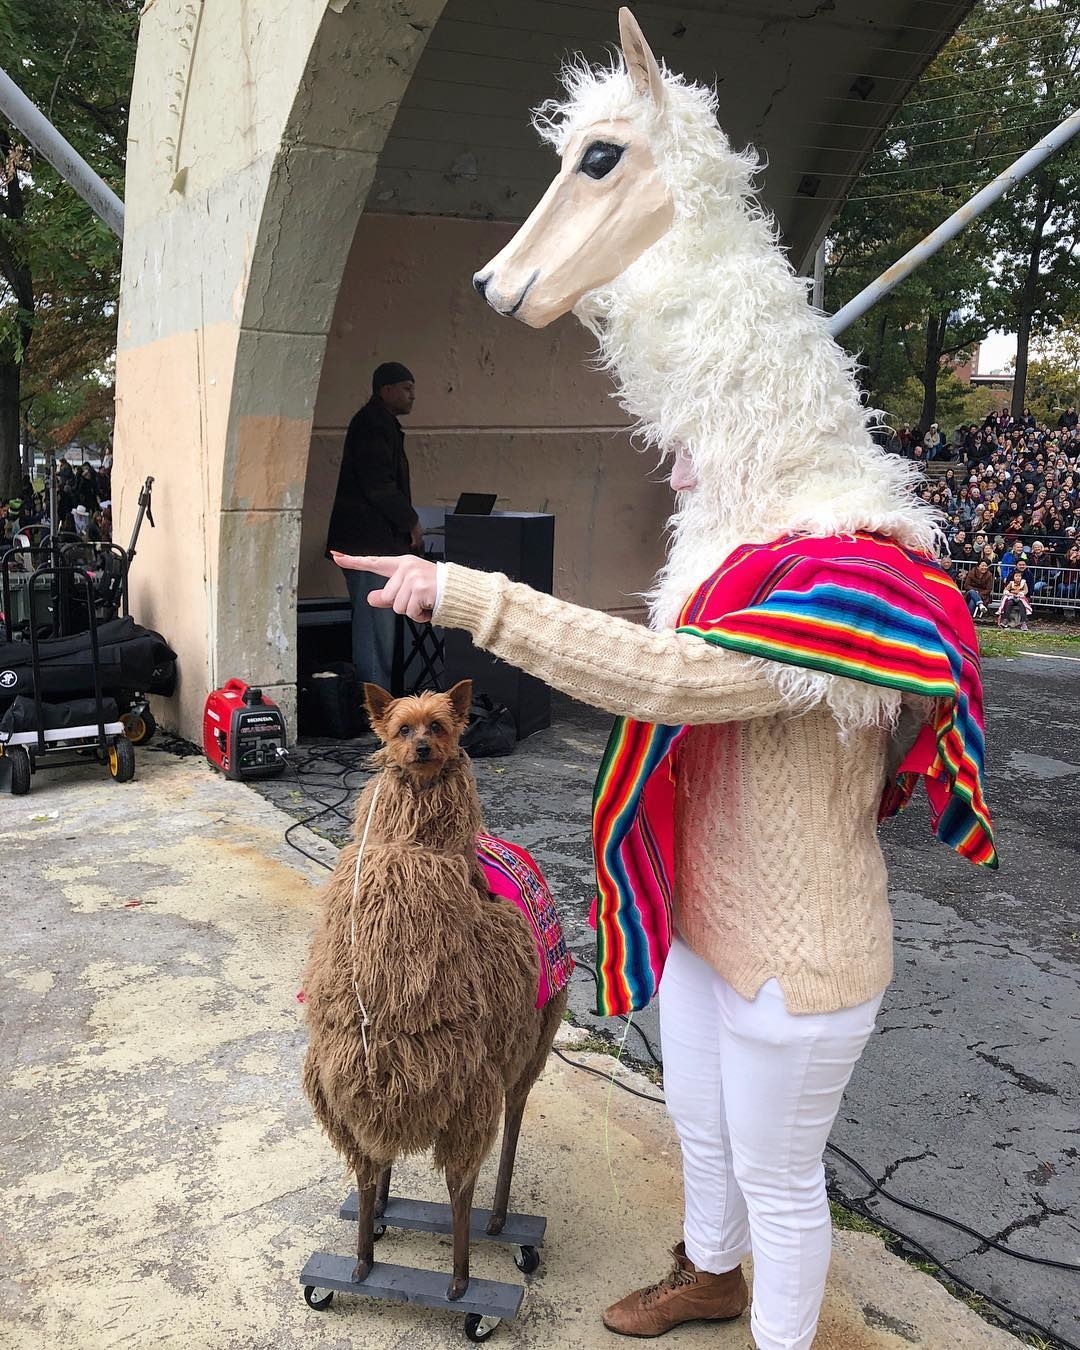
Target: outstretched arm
x: 669, y: 678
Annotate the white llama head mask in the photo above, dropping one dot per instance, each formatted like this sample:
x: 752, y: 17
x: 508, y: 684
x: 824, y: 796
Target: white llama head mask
x: 608, y: 204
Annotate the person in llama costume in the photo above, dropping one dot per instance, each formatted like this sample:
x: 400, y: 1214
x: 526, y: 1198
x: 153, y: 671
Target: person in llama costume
x: 807, y: 663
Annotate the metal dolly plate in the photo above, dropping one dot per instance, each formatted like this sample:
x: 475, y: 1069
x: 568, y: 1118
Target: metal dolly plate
x: 405, y: 1284
x: 520, y: 1230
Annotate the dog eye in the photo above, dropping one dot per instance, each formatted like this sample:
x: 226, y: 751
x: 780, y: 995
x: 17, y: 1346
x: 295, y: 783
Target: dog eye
x: 404, y: 731
x: 435, y: 728
x: 600, y: 158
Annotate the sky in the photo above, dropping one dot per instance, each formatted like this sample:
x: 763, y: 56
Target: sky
x: 996, y: 352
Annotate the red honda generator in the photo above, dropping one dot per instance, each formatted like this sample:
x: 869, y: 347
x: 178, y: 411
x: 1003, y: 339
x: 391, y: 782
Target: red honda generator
x: 243, y: 732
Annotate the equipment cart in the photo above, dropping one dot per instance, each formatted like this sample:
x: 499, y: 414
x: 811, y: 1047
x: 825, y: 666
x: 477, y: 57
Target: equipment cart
x: 34, y: 729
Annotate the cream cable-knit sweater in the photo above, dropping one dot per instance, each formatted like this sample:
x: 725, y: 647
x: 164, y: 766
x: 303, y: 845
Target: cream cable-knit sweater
x: 778, y: 868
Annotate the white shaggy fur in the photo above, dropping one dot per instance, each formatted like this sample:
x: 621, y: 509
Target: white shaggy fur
x: 716, y: 349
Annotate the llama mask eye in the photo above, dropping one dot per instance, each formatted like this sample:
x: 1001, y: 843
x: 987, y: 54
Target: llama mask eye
x: 600, y: 158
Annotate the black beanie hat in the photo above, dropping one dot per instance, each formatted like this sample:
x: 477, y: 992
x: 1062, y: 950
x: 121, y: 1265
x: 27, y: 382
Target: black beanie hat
x: 390, y: 372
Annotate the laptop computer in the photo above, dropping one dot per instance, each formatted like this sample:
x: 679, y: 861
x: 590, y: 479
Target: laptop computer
x: 475, y: 504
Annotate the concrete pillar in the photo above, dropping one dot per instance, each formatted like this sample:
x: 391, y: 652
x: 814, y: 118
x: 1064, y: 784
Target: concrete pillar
x: 256, y: 126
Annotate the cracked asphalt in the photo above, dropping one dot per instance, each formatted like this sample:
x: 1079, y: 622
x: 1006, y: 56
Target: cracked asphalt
x: 967, y: 1098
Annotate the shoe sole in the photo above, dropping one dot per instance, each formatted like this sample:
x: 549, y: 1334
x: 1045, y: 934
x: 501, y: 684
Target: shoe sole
x: 690, y: 1322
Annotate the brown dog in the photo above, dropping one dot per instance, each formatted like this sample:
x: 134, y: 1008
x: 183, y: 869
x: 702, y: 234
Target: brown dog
x: 420, y: 989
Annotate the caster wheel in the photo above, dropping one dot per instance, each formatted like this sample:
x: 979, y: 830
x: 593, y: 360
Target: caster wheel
x: 317, y: 1303
x: 139, y: 726
x: 21, y: 766
x: 122, y: 760
x: 380, y: 1231
x: 527, y: 1260
x: 479, y: 1328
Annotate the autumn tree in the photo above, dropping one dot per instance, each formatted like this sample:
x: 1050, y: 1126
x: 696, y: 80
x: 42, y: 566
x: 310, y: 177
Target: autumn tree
x: 1003, y: 80
x: 1053, y: 382
x: 920, y: 172
x: 59, y: 265
x: 1033, y: 62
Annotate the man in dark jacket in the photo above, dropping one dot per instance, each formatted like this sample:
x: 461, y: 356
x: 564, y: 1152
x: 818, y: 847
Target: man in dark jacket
x: 373, y: 511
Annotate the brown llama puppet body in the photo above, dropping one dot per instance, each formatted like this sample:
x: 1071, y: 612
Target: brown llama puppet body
x: 421, y: 987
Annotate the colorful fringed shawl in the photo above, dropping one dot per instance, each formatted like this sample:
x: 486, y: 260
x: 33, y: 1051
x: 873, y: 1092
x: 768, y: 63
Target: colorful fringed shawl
x: 511, y: 873
x: 858, y: 606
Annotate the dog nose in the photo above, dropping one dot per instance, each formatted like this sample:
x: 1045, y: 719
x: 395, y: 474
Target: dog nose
x: 423, y: 752
x: 480, y: 283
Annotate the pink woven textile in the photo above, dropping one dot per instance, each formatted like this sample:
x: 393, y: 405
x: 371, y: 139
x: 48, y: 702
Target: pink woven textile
x: 512, y: 874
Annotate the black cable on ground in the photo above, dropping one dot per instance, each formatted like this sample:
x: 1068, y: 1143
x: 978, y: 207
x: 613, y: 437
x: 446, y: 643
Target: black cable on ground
x: 961, y: 1227
x: 597, y: 1073
x: 325, y: 808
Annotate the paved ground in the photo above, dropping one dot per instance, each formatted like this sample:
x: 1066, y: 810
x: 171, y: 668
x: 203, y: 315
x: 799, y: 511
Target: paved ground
x: 967, y: 1100
x: 161, y: 1178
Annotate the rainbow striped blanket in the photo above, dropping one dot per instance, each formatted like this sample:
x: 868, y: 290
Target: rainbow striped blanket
x: 859, y: 606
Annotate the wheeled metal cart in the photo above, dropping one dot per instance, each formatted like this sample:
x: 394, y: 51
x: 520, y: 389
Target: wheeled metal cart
x: 34, y: 730
x: 485, y: 1303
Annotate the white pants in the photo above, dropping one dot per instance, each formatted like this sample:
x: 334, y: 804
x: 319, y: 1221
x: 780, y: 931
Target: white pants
x: 753, y: 1091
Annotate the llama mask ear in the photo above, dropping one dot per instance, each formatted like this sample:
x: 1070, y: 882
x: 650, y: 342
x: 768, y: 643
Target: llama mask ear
x: 640, y: 62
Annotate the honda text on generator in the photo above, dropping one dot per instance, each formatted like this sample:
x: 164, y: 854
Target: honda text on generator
x: 243, y: 732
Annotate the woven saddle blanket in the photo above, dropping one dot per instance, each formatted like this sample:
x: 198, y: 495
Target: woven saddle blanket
x: 512, y: 874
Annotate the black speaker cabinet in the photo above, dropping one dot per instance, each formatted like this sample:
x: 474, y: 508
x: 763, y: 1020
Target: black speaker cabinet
x: 521, y: 544
x: 323, y: 632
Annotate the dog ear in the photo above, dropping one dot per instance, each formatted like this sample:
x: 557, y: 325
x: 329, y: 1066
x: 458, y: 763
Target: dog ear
x: 376, y: 701
x: 460, y: 698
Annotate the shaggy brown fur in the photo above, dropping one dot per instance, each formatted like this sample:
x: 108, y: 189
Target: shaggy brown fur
x: 446, y: 971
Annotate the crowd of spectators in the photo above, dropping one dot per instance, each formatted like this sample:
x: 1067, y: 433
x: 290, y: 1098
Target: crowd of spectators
x: 1010, y: 499
x: 84, y: 505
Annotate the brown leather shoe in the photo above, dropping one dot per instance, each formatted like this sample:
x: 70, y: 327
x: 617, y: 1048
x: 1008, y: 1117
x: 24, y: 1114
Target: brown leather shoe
x: 686, y: 1295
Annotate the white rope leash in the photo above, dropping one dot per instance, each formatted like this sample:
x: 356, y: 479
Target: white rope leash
x: 365, y: 1019
x: 607, y: 1108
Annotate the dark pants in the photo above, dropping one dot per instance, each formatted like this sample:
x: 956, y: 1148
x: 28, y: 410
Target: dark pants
x: 372, y: 631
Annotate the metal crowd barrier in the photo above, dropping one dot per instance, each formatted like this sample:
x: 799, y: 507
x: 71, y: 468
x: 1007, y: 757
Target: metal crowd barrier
x: 1055, y: 588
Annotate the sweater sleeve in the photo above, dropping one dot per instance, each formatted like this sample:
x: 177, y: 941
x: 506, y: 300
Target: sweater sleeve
x: 668, y: 678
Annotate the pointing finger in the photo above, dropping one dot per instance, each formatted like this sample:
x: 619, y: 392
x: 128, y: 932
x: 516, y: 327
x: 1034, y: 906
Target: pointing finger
x: 382, y: 567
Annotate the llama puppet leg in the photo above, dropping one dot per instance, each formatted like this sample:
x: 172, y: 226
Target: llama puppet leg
x: 382, y: 1192
x: 367, y: 1178
x: 461, y: 1183
x: 516, y: 1097
x: 515, y: 1109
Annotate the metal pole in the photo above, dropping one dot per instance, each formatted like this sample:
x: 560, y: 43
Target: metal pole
x: 64, y: 158
x: 877, y: 290
x: 50, y: 478
x: 819, y: 276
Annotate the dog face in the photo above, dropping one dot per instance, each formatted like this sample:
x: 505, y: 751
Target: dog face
x: 420, y: 733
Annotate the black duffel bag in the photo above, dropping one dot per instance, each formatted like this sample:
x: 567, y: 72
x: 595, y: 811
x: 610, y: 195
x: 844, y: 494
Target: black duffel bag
x: 79, y: 712
x: 491, y: 730
x: 130, y: 657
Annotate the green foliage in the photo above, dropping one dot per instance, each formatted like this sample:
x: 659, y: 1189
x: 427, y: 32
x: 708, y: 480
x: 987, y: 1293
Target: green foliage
x: 1006, y: 78
x: 1054, y: 375
x: 59, y: 265
x: 1009, y: 643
